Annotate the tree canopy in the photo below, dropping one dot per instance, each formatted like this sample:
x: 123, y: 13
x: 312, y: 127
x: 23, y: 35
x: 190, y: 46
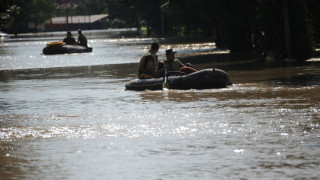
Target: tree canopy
x: 40, y: 11
x: 8, y: 9
x: 242, y: 25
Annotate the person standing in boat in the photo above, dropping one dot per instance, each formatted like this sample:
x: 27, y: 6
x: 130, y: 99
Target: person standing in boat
x: 82, y: 40
x: 153, y: 53
x: 69, y: 40
x: 173, y: 64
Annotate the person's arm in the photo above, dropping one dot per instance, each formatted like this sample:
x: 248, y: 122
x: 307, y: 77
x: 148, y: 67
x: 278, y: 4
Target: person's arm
x: 160, y: 66
x: 188, y: 65
x: 181, y: 65
x: 79, y: 39
x: 160, y: 70
x: 74, y: 41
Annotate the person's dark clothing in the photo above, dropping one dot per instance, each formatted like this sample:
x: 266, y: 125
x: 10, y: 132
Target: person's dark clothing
x: 82, y: 40
x: 171, y: 66
x: 70, y: 40
x: 142, y: 63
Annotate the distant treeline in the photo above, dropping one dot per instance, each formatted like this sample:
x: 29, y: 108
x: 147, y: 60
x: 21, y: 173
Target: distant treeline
x: 266, y: 26
x: 239, y: 25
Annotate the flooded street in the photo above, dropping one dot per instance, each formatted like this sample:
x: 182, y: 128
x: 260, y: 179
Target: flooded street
x: 69, y: 117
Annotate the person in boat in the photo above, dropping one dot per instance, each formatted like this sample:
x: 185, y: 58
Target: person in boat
x: 69, y: 40
x: 173, y: 64
x: 82, y: 40
x: 148, y: 71
x: 153, y: 53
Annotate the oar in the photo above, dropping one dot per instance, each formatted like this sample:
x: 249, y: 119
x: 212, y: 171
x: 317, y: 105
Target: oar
x: 192, y: 67
x: 165, y: 84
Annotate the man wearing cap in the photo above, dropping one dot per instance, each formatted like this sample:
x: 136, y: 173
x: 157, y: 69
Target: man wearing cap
x: 69, y: 40
x: 173, y: 64
x: 82, y: 40
x: 153, y: 53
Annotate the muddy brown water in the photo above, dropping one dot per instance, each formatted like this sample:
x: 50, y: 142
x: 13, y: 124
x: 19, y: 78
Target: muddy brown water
x: 69, y: 117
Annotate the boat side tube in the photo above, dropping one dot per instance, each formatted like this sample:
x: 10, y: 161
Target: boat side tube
x: 49, y: 50
x: 204, y: 79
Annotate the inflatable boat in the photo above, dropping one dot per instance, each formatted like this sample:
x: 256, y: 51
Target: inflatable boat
x: 61, y: 48
x: 203, y: 79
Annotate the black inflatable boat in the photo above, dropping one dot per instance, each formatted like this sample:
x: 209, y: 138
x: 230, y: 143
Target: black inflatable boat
x: 204, y: 79
x: 61, y: 48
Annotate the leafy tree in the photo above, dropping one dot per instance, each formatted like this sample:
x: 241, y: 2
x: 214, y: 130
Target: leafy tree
x: 313, y: 14
x: 150, y: 12
x: 40, y: 11
x: 231, y: 23
x: 133, y: 12
x: 271, y: 22
x: 8, y: 9
x: 89, y: 7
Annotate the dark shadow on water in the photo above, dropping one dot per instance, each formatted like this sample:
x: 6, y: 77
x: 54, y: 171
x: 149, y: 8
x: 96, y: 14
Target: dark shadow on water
x: 241, y: 61
x: 297, y: 80
x: 12, y: 165
x: 243, y: 67
x: 103, y: 71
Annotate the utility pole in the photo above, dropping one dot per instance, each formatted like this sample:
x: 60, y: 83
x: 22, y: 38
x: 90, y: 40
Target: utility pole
x: 162, y: 22
x: 67, y: 14
x: 287, y: 29
x: 164, y: 5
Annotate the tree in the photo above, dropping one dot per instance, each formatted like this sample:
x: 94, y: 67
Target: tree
x: 8, y: 9
x: 40, y: 11
x: 271, y: 24
x: 89, y: 7
x: 230, y: 23
x: 313, y: 15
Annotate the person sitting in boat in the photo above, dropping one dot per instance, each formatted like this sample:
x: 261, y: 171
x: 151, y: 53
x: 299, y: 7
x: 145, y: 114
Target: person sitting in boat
x: 82, y: 40
x: 69, y: 40
x: 148, y: 68
x: 153, y: 53
x: 173, y: 64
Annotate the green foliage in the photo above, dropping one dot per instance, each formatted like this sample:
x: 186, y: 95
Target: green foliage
x: 313, y: 15
x: 229, y: 22
x: 8, y: 9
x: 40, y: 11
x: 241, y: 26
x: 134, y: 12
x: 301, y: 31
x: 89, y: 7
x: 271, y: 24
x: 35, y: 11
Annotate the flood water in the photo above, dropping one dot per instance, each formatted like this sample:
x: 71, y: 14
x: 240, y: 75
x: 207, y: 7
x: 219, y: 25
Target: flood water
x: 69, y: 117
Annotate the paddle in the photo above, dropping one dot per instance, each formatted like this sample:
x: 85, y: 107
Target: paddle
x: 189, y: 65
x: 165, y: 84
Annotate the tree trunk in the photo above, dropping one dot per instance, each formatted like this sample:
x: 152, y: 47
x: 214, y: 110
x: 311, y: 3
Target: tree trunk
x: 35, y: 27
x: 217, y: 33
x: 148, y: 29
x: 287, y: 29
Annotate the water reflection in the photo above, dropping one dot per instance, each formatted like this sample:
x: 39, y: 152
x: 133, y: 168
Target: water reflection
x: 12, y: 164
x: 80, y: 123
x: 105, y: 51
